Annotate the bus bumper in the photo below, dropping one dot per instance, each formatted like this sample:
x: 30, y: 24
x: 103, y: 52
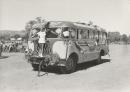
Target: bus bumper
x: 48, y: 60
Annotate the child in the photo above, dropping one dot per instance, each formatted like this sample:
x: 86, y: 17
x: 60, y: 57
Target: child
x: 41, y: 41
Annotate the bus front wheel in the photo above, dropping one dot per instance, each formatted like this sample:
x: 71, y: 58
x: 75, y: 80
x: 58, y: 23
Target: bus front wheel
x: 69, y: 67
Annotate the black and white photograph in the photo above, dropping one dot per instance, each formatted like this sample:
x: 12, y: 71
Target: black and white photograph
x: 64, y: 45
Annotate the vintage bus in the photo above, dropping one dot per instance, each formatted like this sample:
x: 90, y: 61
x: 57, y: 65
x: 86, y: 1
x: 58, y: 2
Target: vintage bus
x: 71, y: 43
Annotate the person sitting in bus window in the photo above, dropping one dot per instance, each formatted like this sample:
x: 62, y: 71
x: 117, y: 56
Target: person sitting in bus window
x: 66, y: 34
x: 41, y: 41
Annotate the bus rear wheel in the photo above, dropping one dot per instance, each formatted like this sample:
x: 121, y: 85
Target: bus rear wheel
x: 69, y: 67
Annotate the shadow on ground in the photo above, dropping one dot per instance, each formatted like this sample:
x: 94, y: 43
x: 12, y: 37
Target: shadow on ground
x: 3, y: 57
x: 82, y: 66
x: 90, y: 64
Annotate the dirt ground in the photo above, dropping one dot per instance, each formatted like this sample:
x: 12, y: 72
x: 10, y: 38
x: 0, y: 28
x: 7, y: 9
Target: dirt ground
x: 16, y: 75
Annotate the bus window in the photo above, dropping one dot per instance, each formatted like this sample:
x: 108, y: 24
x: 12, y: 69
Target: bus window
x: 83, y: 34
x: 104, y: 35
x: 86, y: 34
x: 96, y: 34
x: 104, y: 38
x: 100, y: 35
x: 73, y: 33
x: 91, y: 34
x: 79, y: 34
x: 51, y: 33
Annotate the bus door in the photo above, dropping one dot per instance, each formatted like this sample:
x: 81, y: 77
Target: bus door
x: 84, y: 48
x: 93, y: 52
x: 87, y: 47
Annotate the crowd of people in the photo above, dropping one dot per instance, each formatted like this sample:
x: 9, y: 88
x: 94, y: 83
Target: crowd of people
x: 11, y: 47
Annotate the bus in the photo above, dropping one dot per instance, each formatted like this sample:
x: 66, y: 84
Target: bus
x: 69, y: 44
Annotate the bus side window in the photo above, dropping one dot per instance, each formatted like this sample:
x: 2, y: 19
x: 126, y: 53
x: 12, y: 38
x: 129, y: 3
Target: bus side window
x: 88, y: 34
x: 104, y: 38
x: 91, y: 34
x: 96, y: 34
x: 73, y: 33
x: 85, y: 34
x: 79, y: 34
x: 100, y: 35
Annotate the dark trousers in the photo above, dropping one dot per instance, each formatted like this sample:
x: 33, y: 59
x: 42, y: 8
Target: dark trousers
x: 42, y: 47
x: 35, y: 45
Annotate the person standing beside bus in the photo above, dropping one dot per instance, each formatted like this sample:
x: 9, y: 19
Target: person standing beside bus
x: 41, y: 41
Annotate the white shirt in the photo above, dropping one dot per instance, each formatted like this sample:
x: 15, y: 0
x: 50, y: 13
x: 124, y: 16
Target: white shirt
x: 66, y: 33
x: 42, y: 36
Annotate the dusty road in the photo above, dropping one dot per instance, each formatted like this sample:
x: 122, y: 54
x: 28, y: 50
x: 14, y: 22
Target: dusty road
x: 16, y: 75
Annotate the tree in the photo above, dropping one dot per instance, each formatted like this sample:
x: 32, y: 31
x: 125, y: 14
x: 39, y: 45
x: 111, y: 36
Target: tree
x: 29, y: 25
x: 5, y: 37
x: 114, y: 36
x: 117, y: 36
x: 124, y: 38
x: 129, y: 39
x: 39, y: 19
x: 90, y: 23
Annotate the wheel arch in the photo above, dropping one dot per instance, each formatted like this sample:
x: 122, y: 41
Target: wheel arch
x: 74, y: 56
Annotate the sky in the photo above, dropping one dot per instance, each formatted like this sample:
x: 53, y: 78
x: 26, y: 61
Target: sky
x: 113, y: 15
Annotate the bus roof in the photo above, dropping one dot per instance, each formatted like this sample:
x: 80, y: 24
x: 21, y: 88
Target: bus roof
x: 78, y: 25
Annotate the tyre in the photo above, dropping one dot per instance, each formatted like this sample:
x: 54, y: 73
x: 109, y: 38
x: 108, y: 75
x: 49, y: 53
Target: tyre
x: 35, y: 67
x: 69, y: 67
